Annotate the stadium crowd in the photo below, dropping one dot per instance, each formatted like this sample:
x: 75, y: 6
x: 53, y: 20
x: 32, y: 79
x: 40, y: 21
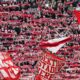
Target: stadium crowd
x: 25, y: 23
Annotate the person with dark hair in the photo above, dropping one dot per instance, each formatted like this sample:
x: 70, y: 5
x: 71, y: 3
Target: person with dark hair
x: 34, y: 64
x: 17, y: 30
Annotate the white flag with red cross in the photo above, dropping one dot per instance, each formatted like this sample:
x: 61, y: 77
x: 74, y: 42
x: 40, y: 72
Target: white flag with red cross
x: 8, y: 70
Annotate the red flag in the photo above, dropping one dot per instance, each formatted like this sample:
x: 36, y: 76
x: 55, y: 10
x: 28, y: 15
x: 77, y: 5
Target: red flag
x: 77, y: 14
x: 48, y: 65
x: 7, y: 68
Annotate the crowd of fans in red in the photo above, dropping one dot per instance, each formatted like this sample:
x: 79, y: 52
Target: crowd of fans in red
x: 24, y: 24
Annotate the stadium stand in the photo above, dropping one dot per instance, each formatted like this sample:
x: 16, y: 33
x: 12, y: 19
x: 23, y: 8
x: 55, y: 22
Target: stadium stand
x: 25, y: 23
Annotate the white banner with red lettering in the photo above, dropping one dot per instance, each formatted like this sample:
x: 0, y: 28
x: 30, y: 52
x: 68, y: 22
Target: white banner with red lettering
x: 48, y: 65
